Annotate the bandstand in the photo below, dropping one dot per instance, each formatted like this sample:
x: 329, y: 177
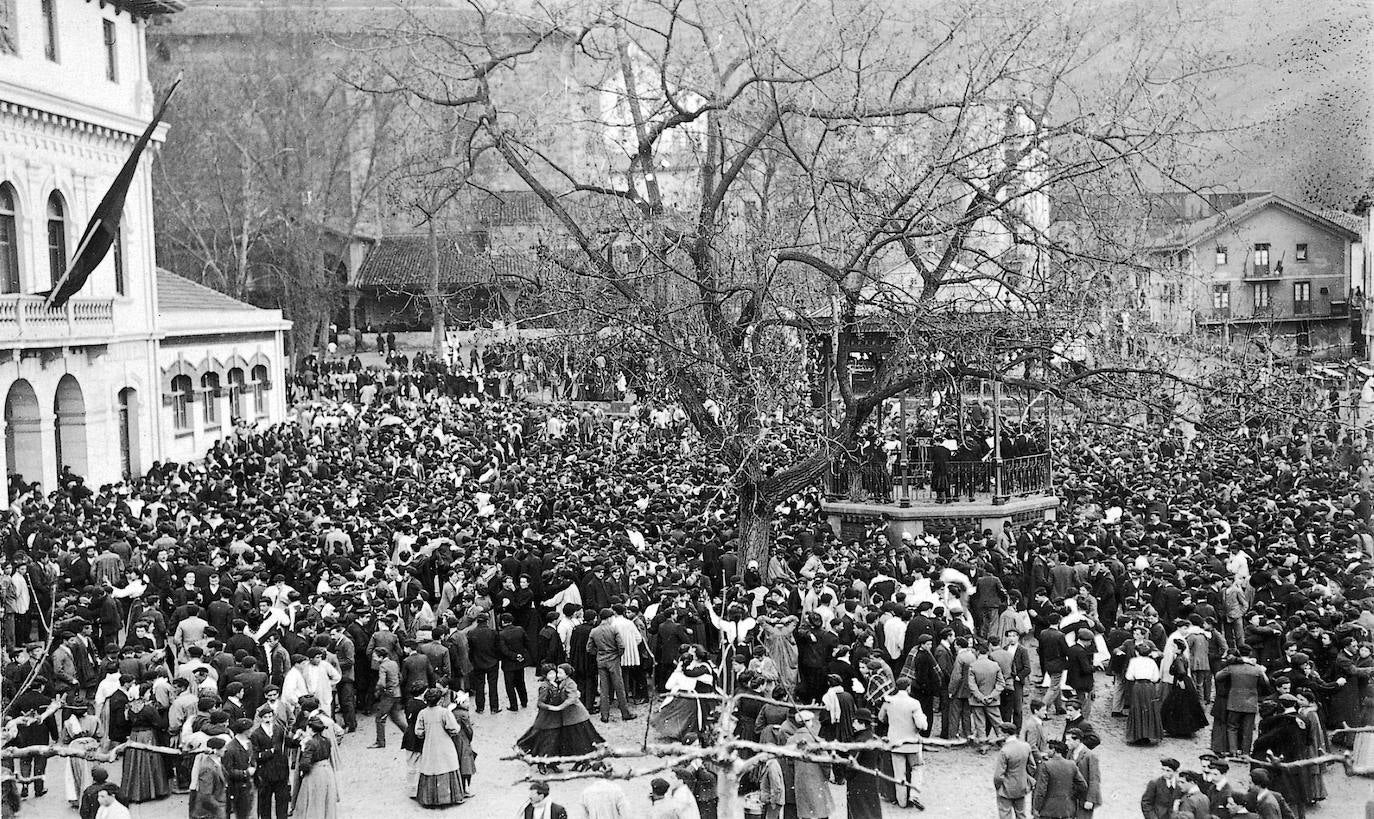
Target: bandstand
x: 961, y: 456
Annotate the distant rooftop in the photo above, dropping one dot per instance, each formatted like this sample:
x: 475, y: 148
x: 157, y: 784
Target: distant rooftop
x: 179, y: 293
x: 403, y: 263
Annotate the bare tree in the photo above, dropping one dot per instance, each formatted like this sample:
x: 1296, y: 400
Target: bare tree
x: 273, y: 162
x: 819, y: 171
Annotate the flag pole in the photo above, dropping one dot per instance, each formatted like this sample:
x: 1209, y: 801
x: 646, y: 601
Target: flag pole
x: 71, y: 265
x: 103, y: 229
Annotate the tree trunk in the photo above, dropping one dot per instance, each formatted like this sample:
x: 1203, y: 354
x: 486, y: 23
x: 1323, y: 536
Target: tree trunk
x: 436, y: 298
x: 728, y: 804
x: 755, y: 528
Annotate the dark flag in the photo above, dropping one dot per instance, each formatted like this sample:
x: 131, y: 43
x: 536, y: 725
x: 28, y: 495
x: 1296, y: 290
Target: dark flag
x: 104, y: 225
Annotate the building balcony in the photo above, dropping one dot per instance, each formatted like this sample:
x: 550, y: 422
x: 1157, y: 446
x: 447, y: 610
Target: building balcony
x: 1261, y: 273
x: 24, y: 321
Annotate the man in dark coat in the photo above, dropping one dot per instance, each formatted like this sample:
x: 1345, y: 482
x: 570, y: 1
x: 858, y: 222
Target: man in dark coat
x: 671, y: 635
x: 510, y: 645
x: 583, y: 661
x: 238, y: 762
x: 271, y: 741
x: 1160, y: 794
x: 1079, y: 670
x: 254, y: 682
x: 485, y: 659
x: 1054, y: 661
x: 1245, y: 682
x: 1057, y: 784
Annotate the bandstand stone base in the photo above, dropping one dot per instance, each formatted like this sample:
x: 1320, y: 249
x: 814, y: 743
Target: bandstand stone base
x: 851, y: 518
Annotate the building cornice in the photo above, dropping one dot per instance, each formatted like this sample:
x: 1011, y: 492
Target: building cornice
x: 41, y: 107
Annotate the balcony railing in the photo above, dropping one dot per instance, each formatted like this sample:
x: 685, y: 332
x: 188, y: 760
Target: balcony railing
x: 23, y: 318
x: 916, y: 481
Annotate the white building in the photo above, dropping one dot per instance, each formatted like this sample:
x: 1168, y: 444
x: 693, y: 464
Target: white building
x: 101, y: 385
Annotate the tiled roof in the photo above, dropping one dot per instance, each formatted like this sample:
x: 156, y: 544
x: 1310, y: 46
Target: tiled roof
x: 402, y: 263
x: 178, y: 293
x: 1187, y: 234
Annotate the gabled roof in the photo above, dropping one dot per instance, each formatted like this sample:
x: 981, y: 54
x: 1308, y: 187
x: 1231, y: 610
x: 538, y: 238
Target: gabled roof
x: 1177, y: 237
x: 402, y: 263
x: 178, y: 293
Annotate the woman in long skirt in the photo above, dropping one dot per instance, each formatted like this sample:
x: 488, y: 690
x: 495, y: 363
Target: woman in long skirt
x: 576, y: 735
x: 317, y: 796
x: 541, y: 739
x: 441, y: 784
x: 144, y: 774
x: 1143, y: 725
x: 1181, y: 712
x: 677, y: 716
x: 80, y: 730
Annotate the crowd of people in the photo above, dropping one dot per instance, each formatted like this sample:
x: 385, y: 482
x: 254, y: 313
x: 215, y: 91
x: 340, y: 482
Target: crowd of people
x: 408, y: 547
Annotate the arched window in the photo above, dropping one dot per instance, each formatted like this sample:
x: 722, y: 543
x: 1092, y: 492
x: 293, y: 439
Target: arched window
x: 209, y: 384
x: 181, y: 402
x: 57, y: 237
x: 235, y: 394
x: 260, y: 390
x: 9, y: 241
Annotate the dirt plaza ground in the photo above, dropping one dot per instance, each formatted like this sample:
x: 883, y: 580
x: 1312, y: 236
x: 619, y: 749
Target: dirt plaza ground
x: 373, y: 782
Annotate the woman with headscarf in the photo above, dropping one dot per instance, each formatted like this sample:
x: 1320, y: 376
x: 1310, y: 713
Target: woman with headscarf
x: 317, y: 789
x: 462, y: 741
x: 144, y: 776
x: 441, y: 782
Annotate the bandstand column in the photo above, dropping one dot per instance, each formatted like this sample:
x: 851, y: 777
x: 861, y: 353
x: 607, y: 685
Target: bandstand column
x: 998, y: 495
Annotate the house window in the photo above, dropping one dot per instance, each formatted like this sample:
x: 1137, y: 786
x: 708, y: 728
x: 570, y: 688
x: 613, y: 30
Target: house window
x: 1261, y: 256
x: 260, y: 390
x: 1302, y: 297
x: 181, y: 403
x: 117, y: 251
x: 50, y: 29
x: 1261, y: 293
x: 9, y: 241
x: 1221, y: 255
x: 111, y: 52
x: 1301, y: 254
x: 57, y: 237
x: 209, y: 386
x: 1221, y: 297
x: 235, y: 394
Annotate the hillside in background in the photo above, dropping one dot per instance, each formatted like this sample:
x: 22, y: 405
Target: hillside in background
x: 1298, y: 97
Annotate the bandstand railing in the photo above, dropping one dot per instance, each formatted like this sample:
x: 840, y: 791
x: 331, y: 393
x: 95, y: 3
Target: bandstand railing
x: 915, y: 480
